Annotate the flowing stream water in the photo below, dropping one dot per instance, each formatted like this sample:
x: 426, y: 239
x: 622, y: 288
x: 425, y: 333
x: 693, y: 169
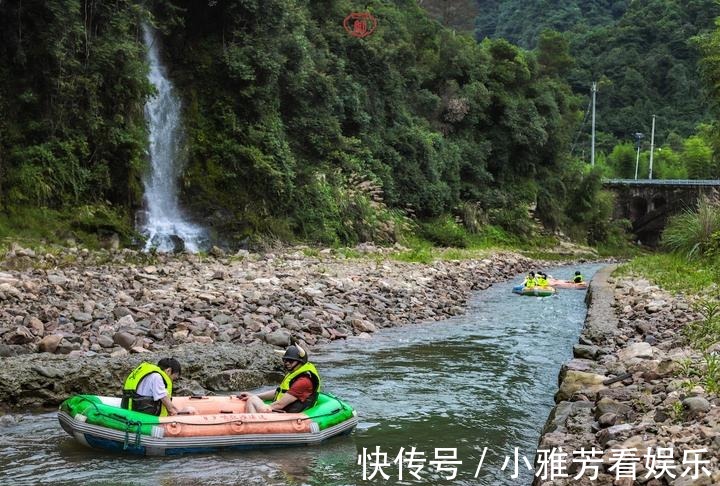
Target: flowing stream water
x: 164, y: 224
x: 480, y: 382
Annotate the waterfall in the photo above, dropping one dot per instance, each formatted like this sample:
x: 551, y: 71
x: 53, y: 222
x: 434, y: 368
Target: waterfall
x: 163, y: 222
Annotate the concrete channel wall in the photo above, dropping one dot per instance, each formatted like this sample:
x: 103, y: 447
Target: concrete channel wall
x: 625, y: 392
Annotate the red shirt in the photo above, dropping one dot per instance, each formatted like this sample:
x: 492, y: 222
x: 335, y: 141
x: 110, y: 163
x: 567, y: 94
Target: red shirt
x: 301, y: 388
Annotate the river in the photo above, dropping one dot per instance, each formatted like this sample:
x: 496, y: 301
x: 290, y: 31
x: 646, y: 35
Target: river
x: 478, y: 386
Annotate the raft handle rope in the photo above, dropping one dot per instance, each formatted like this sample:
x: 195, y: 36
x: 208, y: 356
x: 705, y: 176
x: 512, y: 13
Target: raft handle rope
x: 138, y: 431
x: 342, y: 405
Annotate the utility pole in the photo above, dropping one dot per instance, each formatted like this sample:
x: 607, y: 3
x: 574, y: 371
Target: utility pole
x: 652, y: 146
x: 638, y: 138
x: 592, y: 149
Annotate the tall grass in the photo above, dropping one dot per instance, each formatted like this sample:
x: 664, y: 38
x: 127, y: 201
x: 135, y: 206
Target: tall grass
x: 691, y: 233
x: 674, y: 272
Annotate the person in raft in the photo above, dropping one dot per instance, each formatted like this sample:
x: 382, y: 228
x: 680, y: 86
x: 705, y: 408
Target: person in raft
x: 541, y: 280
x: 298, y: 390
x: 530, y: 280
x: 148, y: 388
x: 578, y: 277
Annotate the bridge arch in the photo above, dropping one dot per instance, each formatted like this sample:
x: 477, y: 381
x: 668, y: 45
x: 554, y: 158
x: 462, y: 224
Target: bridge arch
x: 638, y: 208
x: 649, y: 203
x: 658, y: 202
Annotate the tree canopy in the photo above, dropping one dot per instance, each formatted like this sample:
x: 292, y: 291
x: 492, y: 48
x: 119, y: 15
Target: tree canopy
x: 642, y: 51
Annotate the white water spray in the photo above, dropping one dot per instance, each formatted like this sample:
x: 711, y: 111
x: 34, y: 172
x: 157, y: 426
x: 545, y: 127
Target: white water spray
x: 164, y: 223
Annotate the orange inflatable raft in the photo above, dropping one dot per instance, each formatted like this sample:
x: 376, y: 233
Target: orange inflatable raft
x: 566, y: 284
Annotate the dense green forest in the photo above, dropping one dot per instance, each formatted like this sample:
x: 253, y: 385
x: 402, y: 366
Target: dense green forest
x: 521, y: 22
x: 642, y: 53
x: 294, y: 128
x: 432, y: 118
x: 72, y: 89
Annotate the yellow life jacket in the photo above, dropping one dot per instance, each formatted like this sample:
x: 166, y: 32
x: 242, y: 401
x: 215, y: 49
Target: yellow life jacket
x: 541, y: 282
x: 578, y: 279
x: 133, y: 381
x: 306, y: 369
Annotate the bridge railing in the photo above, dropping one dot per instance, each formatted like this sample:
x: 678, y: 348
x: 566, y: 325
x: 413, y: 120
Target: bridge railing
x: 661, y: 182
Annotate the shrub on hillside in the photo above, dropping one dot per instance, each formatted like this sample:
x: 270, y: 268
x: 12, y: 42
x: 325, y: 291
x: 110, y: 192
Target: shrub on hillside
x: 337, y: 209
x: 513, y: 219
x: 445, y: 231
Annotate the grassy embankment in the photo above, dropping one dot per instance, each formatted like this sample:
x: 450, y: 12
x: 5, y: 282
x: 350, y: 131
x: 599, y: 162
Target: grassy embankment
x: 49, y: 231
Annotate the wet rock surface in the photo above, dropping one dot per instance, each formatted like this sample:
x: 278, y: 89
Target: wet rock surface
x: 42, y: 380
x: 82, y: 326
x: 626, y: 390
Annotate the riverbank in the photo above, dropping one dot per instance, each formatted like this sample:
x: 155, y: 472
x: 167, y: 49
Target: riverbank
x: 80, y: 324
x: 635, y: 383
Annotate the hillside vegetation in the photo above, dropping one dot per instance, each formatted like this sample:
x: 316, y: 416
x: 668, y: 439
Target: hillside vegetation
x: 294, y: 128
x: 642, y: 53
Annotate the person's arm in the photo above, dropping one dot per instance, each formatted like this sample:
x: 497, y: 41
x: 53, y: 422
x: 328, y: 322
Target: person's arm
x: 172, y: 409
x: 266, y: 395
x: 286, y: 400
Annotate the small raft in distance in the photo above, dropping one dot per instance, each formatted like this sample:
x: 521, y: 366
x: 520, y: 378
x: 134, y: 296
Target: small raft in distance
x: 567, y: 284
x: 534, y: 291
x: 219, y: 424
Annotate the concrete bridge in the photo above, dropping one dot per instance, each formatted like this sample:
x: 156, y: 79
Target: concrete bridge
x: 647, y: 204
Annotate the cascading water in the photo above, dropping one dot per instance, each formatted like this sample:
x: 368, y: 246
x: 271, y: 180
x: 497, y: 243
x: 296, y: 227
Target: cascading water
x: 164, y: 224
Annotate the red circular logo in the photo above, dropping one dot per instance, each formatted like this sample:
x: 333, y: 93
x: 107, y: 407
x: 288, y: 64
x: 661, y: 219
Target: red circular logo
x: 360, y: 24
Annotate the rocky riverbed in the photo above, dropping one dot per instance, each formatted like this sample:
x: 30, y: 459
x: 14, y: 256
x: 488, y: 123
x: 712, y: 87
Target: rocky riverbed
x: 80, y: 321
x: 635, y: 383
